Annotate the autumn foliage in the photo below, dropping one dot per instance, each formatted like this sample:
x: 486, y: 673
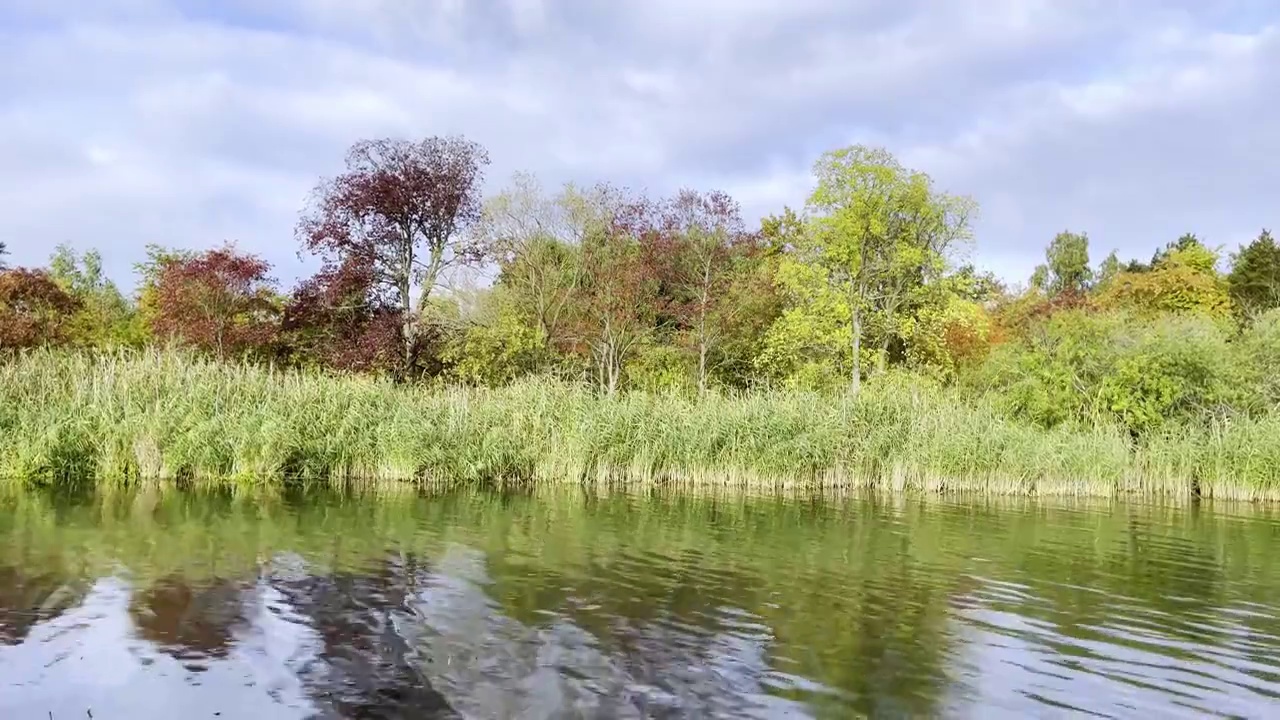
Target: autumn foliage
x: 397, y: 218
x: 220, y: 301
x: 34, y: 310
x: 422, y: 278
x: 337, y: 319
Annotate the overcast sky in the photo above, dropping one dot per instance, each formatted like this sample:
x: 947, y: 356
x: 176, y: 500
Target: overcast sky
x: 192, y: 122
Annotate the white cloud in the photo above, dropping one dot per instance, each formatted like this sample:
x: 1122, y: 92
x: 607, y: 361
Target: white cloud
x: 188, y: 123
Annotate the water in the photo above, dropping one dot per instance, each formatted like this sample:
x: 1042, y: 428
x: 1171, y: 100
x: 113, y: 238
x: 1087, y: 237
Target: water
x: 623, y: 606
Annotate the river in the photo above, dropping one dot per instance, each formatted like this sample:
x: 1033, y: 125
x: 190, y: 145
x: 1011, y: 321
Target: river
x: 569, y: 604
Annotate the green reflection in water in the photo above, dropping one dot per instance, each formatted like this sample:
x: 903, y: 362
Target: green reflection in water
x: 889, y: 607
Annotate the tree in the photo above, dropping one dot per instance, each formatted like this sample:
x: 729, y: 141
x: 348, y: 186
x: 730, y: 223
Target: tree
x: 948, y: 329
x: 701, y: 250
x: 614, y: 308
x: 149, y: 272
x: 402, y: 209
x: 536, y: 240
x: 497, y: 345
x: 931, y: 224
x: 1187, y: 242
x: 976, y: 285
x: 1109, y: 269
x: 340, y: 320
x: 34, y: 310
x: 781, y: 233
x: 219, y: 301
x: 105, y: 317
x: 1255, y: 276
x: 3, y: 251
x: 1183, y: 281
x: 1066, y: 269
x: 876, y: 231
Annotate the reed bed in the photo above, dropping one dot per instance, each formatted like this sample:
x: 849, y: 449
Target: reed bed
x: 121, y: 418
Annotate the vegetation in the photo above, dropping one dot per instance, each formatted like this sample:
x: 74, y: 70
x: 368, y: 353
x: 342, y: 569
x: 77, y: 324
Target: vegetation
x: 846, y: 341
x: 171, y: 416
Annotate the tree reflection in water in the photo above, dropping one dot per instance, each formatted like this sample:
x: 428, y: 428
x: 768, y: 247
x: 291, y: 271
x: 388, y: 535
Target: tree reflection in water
x: 366, y: 667
x: 191, y: 623
x: 27, y: 600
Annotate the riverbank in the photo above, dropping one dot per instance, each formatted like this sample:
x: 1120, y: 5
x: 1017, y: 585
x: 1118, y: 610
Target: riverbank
x: 124, y: 418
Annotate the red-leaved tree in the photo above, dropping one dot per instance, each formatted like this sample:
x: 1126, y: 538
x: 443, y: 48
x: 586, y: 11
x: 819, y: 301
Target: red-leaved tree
x: 400, y: 211
x: 337, y: 319
x: 220, y: 301
x: 34, y: 310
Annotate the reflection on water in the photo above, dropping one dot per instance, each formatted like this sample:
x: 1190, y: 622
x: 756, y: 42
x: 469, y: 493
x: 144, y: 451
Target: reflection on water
x: 571, y: 605
x: 191, y: 623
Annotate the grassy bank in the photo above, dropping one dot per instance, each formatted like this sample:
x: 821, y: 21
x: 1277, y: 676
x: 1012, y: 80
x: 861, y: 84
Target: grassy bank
x: 121, y: 418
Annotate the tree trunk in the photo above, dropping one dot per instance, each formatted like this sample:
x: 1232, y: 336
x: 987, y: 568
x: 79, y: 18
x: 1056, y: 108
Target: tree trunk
x: 702, y: 345
x: 408, y: 327
x: 855, y: 381
x: 702, y: 326
x: 415, y: 311
x: 404, y: 287
x: 702, y: 367
x: 612, y: 365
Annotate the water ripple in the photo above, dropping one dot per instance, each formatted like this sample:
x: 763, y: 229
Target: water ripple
x: 482, y: 606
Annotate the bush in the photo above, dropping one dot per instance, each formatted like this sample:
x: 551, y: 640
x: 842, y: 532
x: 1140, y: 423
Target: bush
x: 1142, y: 373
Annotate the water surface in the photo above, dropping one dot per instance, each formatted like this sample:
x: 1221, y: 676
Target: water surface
x: 572, y: 604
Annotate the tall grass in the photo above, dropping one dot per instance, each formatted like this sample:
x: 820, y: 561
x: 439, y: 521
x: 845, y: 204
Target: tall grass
x: 120, y: 418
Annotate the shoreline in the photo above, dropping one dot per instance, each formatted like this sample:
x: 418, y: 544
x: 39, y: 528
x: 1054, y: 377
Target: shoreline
x: 700, y: 484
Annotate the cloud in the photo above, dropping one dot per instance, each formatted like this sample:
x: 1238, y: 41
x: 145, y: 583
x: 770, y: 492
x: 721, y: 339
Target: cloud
x: 190, y: 122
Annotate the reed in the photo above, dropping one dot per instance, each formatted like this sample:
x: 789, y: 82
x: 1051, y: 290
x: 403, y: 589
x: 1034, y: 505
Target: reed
x: 122, y: 418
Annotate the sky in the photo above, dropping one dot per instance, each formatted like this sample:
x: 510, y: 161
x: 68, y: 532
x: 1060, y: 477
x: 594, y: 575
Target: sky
x: 190, y: 123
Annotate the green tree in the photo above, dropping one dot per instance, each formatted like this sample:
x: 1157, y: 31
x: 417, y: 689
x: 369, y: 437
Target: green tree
x: 1081, y: 365
x: 1109, y: 269
x: 876, y: 231
x: 977, y: 285
x: 948, y: 327
x: 1193, y: 251
x: 782, y: 232
x: 149, y: 271
x: 1066, y: 269
x: 612, y: 311
x: 1260, y: 344
x: 536, y: 239
x: 1183, y: 281
x: 809, y: 343
x: 497, y: 344
x: 1254, y: 281
x: 105, y: 317
x: 3, y: 251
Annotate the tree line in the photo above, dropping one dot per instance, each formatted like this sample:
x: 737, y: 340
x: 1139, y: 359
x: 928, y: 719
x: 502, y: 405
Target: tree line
x: 609, y: 286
